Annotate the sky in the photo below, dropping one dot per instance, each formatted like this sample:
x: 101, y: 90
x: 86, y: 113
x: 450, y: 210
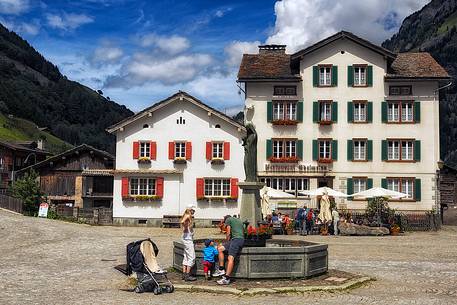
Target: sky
x: 139, y: 52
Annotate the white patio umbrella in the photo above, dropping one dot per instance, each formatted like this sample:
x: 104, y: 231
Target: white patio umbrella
x: 379, y: 192
x: 320, y: 191
x: 266, y: 193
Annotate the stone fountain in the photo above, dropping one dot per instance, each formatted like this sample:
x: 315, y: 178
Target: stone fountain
x: 278, y: 258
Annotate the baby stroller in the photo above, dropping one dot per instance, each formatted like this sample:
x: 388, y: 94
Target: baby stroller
x: 141, y: 258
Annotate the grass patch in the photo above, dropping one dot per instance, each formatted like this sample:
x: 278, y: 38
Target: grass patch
x: 448, y: 23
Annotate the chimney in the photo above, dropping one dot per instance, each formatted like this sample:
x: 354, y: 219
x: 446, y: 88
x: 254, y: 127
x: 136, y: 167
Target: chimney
x: 272, y: 49
x: 40, y: 144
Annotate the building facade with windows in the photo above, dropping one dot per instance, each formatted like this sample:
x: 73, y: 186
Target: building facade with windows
x: 347, y: 114
x: 175, y: 153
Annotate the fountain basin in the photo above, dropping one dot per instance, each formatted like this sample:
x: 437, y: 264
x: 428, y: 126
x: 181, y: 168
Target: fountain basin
x: 278, y: 259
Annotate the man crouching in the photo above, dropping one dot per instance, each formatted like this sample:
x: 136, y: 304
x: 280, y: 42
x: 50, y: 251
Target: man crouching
x: 233, y: 245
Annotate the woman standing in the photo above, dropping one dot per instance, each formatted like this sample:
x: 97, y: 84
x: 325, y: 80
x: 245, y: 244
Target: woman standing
x: 188, y: 241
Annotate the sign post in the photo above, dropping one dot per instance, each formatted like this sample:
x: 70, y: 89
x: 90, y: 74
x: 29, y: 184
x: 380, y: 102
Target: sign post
x: 43, y: 211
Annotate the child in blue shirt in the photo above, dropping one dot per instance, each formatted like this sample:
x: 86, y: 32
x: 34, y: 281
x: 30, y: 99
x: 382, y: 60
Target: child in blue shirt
x: 209, y: 254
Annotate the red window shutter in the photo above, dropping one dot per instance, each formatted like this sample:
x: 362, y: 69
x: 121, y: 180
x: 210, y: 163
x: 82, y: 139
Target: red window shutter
x: 188, y: 150
x: 136, y: 150
x: 171, y: 150
x: 200, y: 188
x: 125, y: 187
x: 234, y: 188
x: 209, y: 150
x: 153, y: 151
x: 226, y: 150
x: 159, y: 187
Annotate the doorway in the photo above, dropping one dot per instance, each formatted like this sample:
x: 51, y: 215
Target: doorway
x: 326, y: 181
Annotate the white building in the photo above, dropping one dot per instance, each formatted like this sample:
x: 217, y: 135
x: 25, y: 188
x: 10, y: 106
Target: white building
x: 348, y: 114
x: 175, y: 153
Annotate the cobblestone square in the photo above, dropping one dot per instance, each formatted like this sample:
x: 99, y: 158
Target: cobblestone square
x: 53, y: 262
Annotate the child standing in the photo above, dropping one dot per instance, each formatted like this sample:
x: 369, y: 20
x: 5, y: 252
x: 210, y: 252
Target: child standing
x: 209, y: 254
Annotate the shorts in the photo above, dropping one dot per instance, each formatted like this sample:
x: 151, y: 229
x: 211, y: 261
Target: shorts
x: 207, y: 266
x: 189, y: 253
x: 234, y: 246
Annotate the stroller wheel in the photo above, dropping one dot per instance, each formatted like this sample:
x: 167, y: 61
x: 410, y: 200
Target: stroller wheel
x: 170, y: 289
x: 138, y: 290
x: 157, y: 290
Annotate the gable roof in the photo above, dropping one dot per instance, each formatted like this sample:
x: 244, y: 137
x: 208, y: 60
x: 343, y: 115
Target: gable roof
x: 23, y: 147
x: 82, y: 147
x: 416, y: 65
x: 179, y: 96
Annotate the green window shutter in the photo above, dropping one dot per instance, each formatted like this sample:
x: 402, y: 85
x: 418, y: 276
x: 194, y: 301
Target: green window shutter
x: 300, y: 149
x: 300, y: 111
x: 370, y: 150
x: 369, y: 183
x: 350, y: 150
x: 316, y: 112
x: 315, y: 76
x: 417, y: 150
x: 315, y: 150
x: 350, y: 112
x: 370, y: 112
x: 417, y: 111
x: 269, y: 149
x: 370, y: 76
x: 335, y: 112
x: 350, y: 76
x: 350, y: 187
x: 334, y: 150
x: 334, y: 76
x: 269, y: 111
x: 384, y: 150
x: 384, y: 112
x: 417, y: 190
x: 384, y: 183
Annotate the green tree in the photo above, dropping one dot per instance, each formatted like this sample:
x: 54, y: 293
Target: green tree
x: 28, y: 190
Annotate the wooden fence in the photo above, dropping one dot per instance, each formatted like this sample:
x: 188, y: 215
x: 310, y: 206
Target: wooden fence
x: 93, y: 216
x: 11, y: 203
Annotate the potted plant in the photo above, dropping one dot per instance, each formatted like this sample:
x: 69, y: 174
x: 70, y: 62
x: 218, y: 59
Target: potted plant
x: 394, y: 230
x: 290, y: 228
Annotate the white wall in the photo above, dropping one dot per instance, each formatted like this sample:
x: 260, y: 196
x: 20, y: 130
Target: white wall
x: 179, y: 189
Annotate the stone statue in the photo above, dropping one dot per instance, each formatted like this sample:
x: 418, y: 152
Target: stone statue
x: 250, y: 153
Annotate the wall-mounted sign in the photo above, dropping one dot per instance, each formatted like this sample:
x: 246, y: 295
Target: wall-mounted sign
x: 296, y: 168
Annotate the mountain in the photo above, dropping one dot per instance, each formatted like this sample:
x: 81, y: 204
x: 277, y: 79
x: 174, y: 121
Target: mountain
x: 34, y: 89
x: 434, y: 29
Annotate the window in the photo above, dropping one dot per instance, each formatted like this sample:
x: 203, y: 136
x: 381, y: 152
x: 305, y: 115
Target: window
x: 143, y: 186
x: 360, y: 75
x: 360, y: 150
x: 181, y: 121
x: 287, y: 184
x: 325, y: 111
x: 180, y: 150
x: 360, y: 112
x: 284, y: 148
x: 325, y: 75
x: 325, y: 149
x: 403, y: 185
x: 400, y: 112
x: 217, y: 187
x: 400, y: 150
x: 359, y: 184
x: 285, y: 111
x: 285, y: 90
x: 145, y: 149
x: 218, y: 150
x: 400, y: 90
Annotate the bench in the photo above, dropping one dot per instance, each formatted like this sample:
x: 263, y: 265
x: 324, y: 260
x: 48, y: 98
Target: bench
x: 171, y: 221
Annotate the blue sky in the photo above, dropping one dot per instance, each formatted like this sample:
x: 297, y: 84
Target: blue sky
x: 139, y: 52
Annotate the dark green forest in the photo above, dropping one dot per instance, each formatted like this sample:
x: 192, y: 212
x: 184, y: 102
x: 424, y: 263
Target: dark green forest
x: 433, y: 29
x: 33, y: 88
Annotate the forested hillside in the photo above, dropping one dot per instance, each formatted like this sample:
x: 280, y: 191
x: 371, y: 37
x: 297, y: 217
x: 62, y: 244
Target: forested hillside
x: 433, y: 29
x: 33, y: 88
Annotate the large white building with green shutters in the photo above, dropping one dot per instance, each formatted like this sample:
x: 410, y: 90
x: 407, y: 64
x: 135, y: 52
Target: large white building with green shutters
x: 348, y: 114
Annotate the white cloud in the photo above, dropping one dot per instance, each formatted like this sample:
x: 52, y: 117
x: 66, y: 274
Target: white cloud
x: 302, y: 22
x: 235, y: 50
x: 28, y: 28
x: 172, y: 45
x: 68, y: 22
x: 107, y: 54
x: 14, y: 7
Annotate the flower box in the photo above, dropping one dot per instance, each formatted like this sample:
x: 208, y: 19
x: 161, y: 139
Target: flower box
x: 285, y: 122
x: 179, y: 161
x: 325, y: 122
x: 284, y: 160
x: 325, y: 161
x: 144, y: 160
x: 217, y: 161
x: 144, y: 197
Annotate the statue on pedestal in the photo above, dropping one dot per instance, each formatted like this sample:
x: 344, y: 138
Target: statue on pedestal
x: 250, y: 153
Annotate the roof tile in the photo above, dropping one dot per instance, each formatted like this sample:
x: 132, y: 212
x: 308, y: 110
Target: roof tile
x: 416, y: 65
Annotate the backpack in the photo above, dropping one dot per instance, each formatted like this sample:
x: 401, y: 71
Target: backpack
x: 310, y: 216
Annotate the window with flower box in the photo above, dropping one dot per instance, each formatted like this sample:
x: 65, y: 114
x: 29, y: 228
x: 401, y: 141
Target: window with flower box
x: 284, y: 112
x: 218, y: 150
x: 145, y: 149
x: 217, y: 187
x: 180, y: 151
x: 284, y: 150
x: 325, y: 148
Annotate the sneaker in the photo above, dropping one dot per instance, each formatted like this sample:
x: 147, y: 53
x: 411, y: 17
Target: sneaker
x: 190, y: 278
x: 218, y: 273
x: 224, y: 281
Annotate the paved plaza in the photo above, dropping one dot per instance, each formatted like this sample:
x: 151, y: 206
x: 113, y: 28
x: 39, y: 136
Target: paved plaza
x: 53, y: 262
